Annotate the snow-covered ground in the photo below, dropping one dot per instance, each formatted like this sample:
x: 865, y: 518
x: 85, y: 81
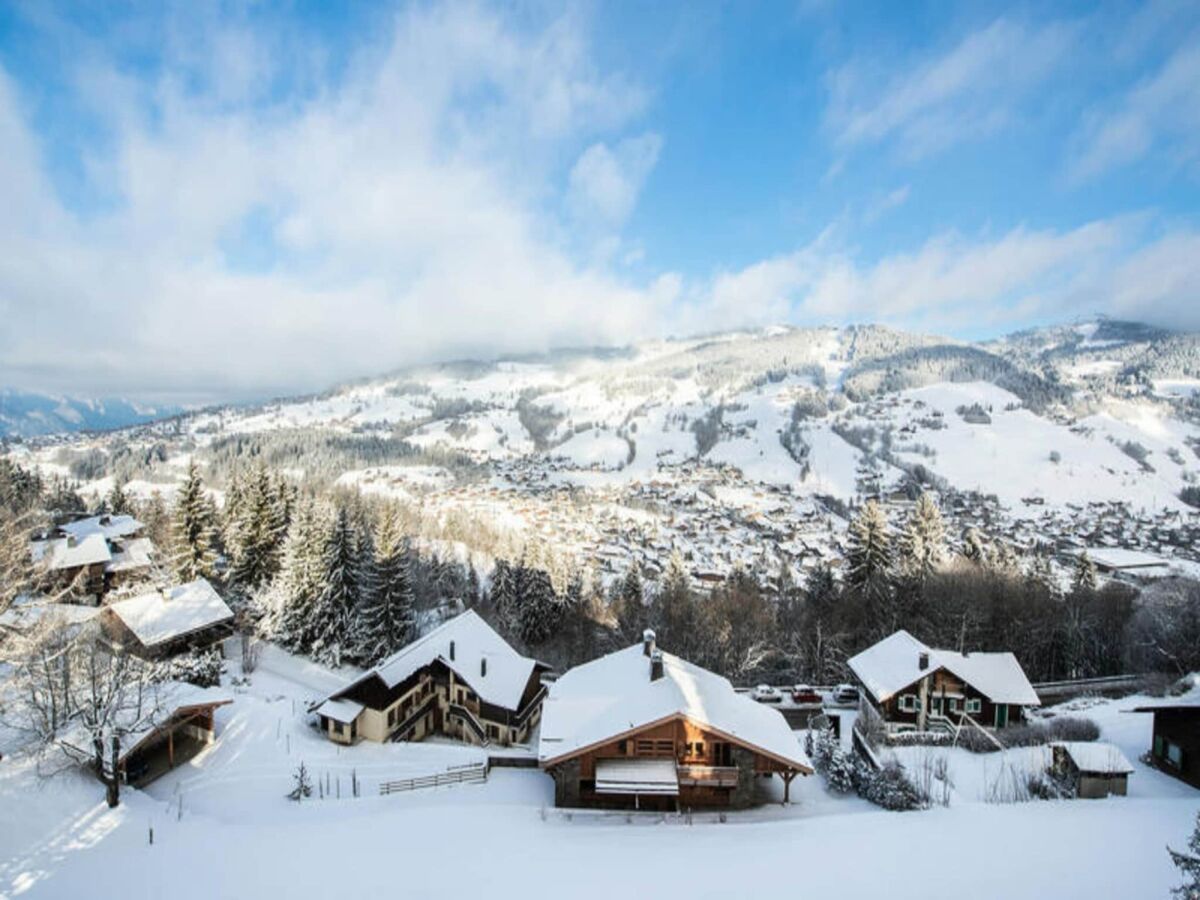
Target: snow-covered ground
x: 223, y: 828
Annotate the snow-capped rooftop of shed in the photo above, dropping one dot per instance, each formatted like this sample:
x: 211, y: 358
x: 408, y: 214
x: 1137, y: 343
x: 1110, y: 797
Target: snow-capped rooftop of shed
x: 1096, y: 758
x: 894, y: 663
x: 163, y: 615
x: 70, y: 553
x: 463, y: 644
x: 614, y: 695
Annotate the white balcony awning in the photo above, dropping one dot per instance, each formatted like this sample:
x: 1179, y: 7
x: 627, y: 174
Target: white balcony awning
x: 637, y: 776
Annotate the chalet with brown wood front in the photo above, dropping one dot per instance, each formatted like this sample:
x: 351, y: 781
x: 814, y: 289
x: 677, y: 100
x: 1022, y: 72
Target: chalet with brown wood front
x: 643, y: 729
x: 461, y: 680
x: 96, y: 553
x: 914, y: 687
x: 1175, y: 737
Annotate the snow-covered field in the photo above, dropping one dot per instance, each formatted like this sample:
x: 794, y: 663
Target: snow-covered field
x: 223, y: 828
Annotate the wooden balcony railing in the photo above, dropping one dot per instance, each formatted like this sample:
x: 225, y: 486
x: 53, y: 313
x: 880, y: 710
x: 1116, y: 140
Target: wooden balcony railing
x: 707, y: 776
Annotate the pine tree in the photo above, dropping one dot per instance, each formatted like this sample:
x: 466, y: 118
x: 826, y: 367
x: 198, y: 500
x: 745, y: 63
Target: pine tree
x: 194, y: 530
x: 300, y: 580
x: 676, y: 618
x: 974, y: 547
x: 632, y: 617
x: 540, y: 615
x: 341, y: 593
x: 1085, y: 581
x: 922, y: 544
x: 261, y: 525
x: 1188, y: 864
x: 388, y: 619
x: 869, y: 556
x: 118, y: 501
x: 503, y: 596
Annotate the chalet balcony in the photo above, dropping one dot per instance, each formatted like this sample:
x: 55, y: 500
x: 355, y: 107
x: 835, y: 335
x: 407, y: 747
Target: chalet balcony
x: 707, y: 776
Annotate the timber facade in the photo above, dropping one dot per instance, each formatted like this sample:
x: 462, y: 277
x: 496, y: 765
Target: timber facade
x: 433, y: 700
x: 713, y: 770
x: 941, y: 696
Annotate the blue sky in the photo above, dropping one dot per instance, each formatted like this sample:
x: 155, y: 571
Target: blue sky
x: 242, y: 200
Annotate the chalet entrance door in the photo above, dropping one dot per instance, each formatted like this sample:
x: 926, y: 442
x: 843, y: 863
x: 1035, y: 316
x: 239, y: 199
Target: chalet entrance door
x: 1001, y: 715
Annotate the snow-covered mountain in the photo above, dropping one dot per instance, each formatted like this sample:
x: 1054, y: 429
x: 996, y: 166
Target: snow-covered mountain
x: 737, y: 446
x: 24, y: 414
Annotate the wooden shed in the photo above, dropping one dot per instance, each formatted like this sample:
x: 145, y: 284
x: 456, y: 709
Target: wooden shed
x: 1096, y: 769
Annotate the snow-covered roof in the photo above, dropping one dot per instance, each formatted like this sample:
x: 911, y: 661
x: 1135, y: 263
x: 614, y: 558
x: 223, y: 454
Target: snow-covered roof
x: 463, y: 644
x: 130, y: 555
x: 613, y: 695
x: 70, y: 553
x: 1121, y: 558
x: 344, y: 711
x: 1097, y: 758
x: 894, y: 663
x: 108, y: 526
x: 163, y: 615
x: 159, y: 706
x: 21, y: 617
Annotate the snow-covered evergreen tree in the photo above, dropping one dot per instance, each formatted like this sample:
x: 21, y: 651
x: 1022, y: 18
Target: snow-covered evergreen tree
x: 388, y: 618
x: 1188, y: 864
x: 118, y: 501
x: 922, y: 543
x: 540, y: 614
x: 341, y: 591
x: 259, y: 531
x: 300, y: 581
x: 1085, y: 581
x: 194, y: 530
x: 974, y: 548
x: 869, y: 557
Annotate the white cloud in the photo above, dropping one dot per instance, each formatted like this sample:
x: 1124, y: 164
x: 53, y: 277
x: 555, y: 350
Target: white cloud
x: 970, y: 91
x: 952, y: 284
x: 605, y: 182
x: 399, y: 213
x: 1163, y: 110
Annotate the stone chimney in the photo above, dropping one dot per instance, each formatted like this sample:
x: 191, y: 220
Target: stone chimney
x: 452, y: 651
x: 656, y: 665
x: 923, y: 660
x: 483, y: 667
x: 648, y: 642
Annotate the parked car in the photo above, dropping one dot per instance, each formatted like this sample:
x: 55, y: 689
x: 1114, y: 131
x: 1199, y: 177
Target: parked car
x: 764, y: 693
x: 845, y: 694
x: 805, y: 694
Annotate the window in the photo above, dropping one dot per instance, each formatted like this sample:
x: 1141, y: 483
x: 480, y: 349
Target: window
x: 954, y: 704
x: 623, y: 747
x: 909, y: 703
x: 937, y: 705
x: 391, y: 717
x: 1174, y: 755
x: 974, y: 705
x: 698, y: 748
x: 664, y: 748
x: 644, y: 748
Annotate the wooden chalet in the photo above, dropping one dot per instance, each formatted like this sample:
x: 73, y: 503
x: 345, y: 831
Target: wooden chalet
x: 640, y: 728
x: 1175, y: 741
x: 917, y: 688
x: 98, y: 552
x: 167, y: 621
x: 461, y: 680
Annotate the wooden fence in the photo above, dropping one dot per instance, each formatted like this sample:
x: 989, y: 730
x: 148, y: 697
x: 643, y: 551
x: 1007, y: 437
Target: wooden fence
x: 474, y: 774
